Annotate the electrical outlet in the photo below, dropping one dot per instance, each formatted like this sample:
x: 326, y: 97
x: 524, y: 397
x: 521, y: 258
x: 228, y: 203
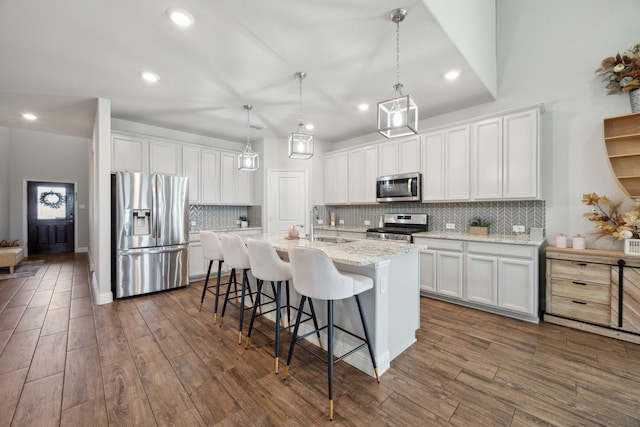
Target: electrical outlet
x: 193, y: 223
x: 341, y: 222
x: 320, y: 221
x: 518, y: 228
x: 450, y: 226
x: 367, y: 223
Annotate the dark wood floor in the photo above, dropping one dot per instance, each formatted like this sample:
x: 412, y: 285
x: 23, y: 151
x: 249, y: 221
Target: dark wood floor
x: 156, y: 360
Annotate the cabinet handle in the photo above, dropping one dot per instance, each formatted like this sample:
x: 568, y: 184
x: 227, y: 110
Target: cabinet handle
x: 581, y: 264
x: 579, y: 302
x: 579, y: 283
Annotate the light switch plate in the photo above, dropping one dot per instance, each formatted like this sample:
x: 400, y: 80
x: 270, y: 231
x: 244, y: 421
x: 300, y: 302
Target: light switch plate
x: 450, y: 226
x: 367, y: 223
x: 341, y: 222
x: 518, y: 228
x: 320, y: 221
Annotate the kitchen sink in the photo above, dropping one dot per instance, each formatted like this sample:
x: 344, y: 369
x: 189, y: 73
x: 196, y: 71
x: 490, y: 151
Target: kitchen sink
x: 332, y: 239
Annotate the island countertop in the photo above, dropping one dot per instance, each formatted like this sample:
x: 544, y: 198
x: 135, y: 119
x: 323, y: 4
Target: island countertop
x: 353, y: 252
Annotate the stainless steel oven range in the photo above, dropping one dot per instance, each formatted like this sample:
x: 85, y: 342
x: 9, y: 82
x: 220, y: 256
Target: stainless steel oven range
x: 400, y: 227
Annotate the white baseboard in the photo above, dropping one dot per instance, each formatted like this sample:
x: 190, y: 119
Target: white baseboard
x: 100, y: 298
x: 82, y: 249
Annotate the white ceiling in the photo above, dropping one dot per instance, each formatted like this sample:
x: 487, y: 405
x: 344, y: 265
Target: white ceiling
x: 58, y: 56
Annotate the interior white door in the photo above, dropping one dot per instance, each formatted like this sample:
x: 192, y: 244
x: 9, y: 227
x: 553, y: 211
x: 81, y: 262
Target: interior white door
x: 286, y: 200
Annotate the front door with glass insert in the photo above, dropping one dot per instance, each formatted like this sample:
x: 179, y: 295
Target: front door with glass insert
x: 50, y: 217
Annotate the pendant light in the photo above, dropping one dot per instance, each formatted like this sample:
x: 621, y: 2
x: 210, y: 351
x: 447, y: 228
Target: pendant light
x: 248, y: 159
x: 300, y: 142
x: 398, y: 116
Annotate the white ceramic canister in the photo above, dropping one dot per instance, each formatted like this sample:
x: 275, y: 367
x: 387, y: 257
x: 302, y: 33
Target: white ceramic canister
x: 578, y: 242
x: 561, y: 241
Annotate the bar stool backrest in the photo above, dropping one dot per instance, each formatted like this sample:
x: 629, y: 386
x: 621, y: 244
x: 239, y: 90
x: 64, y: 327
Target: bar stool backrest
x: 265, y: 263
x: 316, y: 276
x: 235, y: 252
x: 211, y: 246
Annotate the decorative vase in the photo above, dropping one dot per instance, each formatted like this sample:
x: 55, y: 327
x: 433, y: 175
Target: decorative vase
x: 244, y: 224
x: 482, y: 231
x: 634, y: 100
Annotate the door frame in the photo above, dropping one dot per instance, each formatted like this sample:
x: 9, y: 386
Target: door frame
x: 270, y: 174
x: 25, y: 211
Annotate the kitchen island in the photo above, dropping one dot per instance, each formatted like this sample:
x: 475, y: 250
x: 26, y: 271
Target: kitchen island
x: 392, y: 307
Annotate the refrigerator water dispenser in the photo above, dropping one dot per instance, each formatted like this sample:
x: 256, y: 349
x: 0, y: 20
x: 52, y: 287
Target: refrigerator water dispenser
x: 141, y: 222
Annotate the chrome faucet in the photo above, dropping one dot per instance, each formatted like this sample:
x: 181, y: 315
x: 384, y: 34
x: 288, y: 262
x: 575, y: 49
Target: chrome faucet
x: 311, y: 227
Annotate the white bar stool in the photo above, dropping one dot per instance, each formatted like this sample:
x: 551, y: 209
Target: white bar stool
x: 315, y: 276
x: 212, y: 251
x: 266, y: 265
x: 236, y: 256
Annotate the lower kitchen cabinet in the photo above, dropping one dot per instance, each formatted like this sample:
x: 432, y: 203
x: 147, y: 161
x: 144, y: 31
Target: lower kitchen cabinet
x: 496, y: 277
x: 594, y: 290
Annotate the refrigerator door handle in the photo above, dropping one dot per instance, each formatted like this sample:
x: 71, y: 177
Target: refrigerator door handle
x: 154, y: 250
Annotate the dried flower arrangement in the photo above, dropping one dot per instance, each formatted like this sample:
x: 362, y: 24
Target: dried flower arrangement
x: 608, y: 219
x: 622, y: 72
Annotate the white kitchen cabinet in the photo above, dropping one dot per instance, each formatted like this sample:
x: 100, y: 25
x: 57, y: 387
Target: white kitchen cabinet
x: 129, y: 153
x: 482, y: 279
x: 336, y: 174
x: 442, y: 267
x: 228, y: 178
x: 449, y: 274
x: 445, y: 164
x: 428, y: 270
x: 363, y: 171
x: 518, y: 285
x: 165, y: 158
x: 399, y: 156
x: 505, y: 157
x: 210, y: 178
x: 245, y: 188
x: 197, y: 263
x: 192, y: 169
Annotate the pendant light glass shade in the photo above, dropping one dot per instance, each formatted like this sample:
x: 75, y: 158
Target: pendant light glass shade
x: 248, y: 159
x: 398, y: 116
x: 300, y: 142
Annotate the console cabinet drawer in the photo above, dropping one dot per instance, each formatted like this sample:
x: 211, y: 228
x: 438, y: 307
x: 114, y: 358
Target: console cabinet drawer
x: 581, y: 271
x: 580, y: 310
x: 583, y: 291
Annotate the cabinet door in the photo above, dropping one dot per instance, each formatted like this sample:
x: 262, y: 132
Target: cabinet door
x: 482, y: 279
x: 517, y: 288
x: 486, y: 159
x: 197, y: 263
x: 370, y: 173
x: 388, y: 158
x: 191, y: 167
x: 428, y: 271
x: 356, y: 176
x: 456, y: 163
x: 129, y: 154
x: 520, y: 152
x: 630, y: 317
x: 449, y: 274
x: 245, y: 187
x: 409, y: 154
x: 341, y: 175
x: 433, y: 166
x: 329, y: 178
x: 165, y: 158
x: 210, y: 184
x: 228, y: 178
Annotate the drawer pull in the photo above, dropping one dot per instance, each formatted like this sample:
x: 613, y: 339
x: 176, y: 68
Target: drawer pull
x: 579, y: 283
x: 578, y: 302
x: 581, y: 264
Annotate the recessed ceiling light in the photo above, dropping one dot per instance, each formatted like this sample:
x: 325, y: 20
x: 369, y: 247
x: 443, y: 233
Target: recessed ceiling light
x: 30, y: 116
x: 309, y: 126
x: 452, y: 75
x: 180, y: 17
x: 363, y: 107
x: 149, y: 76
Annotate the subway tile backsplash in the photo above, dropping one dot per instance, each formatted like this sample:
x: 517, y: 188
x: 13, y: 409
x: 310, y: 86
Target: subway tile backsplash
x: 502, y: 215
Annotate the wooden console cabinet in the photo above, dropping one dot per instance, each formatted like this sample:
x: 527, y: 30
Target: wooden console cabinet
x: 594, y: 290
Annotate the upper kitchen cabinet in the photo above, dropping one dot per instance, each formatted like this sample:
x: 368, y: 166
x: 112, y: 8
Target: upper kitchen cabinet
x: 445, y: 164
x: 399, y: 156
x: 505, y: 156
x: 129, y: 154
x: 336, y: 175
x: 363, y: 171
x: 202, y: 167
x: 236, y: 186
x: 165, y: 158
x: 192, y: 169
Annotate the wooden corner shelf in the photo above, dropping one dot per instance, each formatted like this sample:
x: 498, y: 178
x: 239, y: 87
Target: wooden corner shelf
x: 622, y: 140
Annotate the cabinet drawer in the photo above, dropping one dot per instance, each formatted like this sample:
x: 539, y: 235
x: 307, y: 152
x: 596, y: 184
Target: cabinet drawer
x: 584, y: 291
x: 581, y: 271
x: 441, y: 244
x: 502, y: 249
x: 580, y: 310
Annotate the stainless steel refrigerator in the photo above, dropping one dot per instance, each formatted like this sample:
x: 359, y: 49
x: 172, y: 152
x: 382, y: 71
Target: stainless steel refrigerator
x: 149, y: 233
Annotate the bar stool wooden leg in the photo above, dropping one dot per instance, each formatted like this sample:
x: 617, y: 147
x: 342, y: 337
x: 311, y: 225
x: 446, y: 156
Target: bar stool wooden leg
x: 367, y: 337
x: 206, y: 285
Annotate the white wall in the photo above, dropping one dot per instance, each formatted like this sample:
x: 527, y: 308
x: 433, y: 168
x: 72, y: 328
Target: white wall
x: 4, y: 182
x: 39, y: 156
x: 547, y: 53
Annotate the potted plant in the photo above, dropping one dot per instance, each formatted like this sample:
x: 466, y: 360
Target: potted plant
x: 479, y: 226
x: 243, y: 221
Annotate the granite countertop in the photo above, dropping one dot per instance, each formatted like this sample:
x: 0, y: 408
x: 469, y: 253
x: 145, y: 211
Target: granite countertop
x: 491, y: 238
x: 354, y: 252
x: 349, y: 228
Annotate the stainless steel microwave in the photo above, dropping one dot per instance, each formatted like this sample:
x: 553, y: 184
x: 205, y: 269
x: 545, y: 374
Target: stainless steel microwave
x: 399, y: 188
